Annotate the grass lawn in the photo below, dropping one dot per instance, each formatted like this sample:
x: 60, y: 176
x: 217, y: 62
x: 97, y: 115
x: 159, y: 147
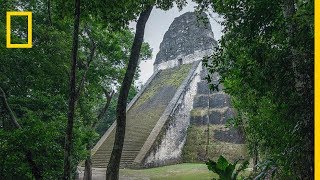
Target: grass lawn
x: 191, y: 171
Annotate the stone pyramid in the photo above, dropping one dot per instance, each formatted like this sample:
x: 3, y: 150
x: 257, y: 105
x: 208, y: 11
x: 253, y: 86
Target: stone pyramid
x: 175, y: 118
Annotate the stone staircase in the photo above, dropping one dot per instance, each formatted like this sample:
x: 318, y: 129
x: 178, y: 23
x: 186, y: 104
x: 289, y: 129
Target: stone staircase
x: 142, y: 116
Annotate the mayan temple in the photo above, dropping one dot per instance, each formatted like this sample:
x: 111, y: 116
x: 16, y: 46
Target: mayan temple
x: 175, y: 117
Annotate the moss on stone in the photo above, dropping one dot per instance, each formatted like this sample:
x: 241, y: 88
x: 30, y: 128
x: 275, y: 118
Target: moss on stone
x: 166, y: 78
x: 197, y: 145
x: 199, y: 112
x: 143, y: 115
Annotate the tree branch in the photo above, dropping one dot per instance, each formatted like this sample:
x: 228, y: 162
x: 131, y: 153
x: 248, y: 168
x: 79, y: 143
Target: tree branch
x: 106, y: 106
x: 34, y: 168
x: 9, y: 110
x: 67, y: 169
x: 49, y: 12
x: 89, y: 60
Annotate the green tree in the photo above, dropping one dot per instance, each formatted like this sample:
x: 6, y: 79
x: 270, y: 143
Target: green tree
x: 265, y: 60
x: 35, y: 86
x: 104, y: 78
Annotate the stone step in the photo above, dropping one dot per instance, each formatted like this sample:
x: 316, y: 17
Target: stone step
x: 203, y: 87
x: 203, y: 73
x: 106, y: 158
x: 229, y: 135
x: 219, y: 100
x: 201, y: 101
x: 202, y: 116
x: 143, y: 115
x: 215, y: 100
x: 109, y: 152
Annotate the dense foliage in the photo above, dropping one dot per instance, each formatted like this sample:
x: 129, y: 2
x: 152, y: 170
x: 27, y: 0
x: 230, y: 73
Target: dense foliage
x: 35, y: 82
x: 225, y: 169
x: 265, y: 60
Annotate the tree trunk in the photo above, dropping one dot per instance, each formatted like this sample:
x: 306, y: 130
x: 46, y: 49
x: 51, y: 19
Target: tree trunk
x: 114, y: 163
x: 9, y: 110
x: 88, y: 162
x: 34, y: 168
x: 49, y: 13
x: 36, y: 172
x: 255, y: 158
x: 288, y: 13
x: 88, y: 165
x: 106, y: 106
x: 72, y: 95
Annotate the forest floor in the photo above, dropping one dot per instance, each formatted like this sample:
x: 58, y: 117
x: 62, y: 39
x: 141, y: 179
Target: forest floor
x: 186, y: 171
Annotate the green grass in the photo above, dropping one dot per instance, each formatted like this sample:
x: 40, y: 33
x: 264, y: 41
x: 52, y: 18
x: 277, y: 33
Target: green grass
x: 186, y: 171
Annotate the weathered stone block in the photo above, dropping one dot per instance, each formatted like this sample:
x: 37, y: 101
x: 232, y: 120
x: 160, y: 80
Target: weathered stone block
x: 199, y: 120
x: 219, y: 100
x: 203, y: 73
x: 215, y: 117
x: 201, y: 101
x: 185, y: 36
x: 203, y: 87
x: 232, y: 135
x: 229, y: 113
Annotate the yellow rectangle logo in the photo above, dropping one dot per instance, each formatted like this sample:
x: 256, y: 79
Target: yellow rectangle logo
x: 16, y: 13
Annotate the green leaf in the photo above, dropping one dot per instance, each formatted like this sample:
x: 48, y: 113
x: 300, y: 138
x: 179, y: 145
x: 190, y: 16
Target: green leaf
x: 222, y: 163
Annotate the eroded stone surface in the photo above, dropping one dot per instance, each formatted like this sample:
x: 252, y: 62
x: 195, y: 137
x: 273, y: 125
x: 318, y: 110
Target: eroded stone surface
x: 201, y: 102
x: 199, y: 120
x: 215, y: 117
x: 219, y: 100
x: 185, y: 36
x: 159, y: 118
x: 168, y: 150
x: 209, y: 136
x: 203, y: 87
x: 231, y: 135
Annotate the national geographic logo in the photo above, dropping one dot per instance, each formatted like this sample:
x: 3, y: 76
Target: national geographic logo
x: 16, y: 13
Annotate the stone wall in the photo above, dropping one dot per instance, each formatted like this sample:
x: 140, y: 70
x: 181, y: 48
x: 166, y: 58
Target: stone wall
x: 186, y: 36
x: 196, y: 56
x: 169, y: 148
x: 152, y: 144
x: 208, y: 135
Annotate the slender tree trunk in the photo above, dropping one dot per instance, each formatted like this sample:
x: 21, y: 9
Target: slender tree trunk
x: 49, y: 13
x: 34, y: 168
x: 255, y: 157
x: 36, y: 172
x: 72, y: 95
x: 288, y: 13
x: 88, y: 165
x: 304, y: 87
x: 114, y: 163
x: 208, y: 133
x: 88, y: 162
x: 106, y: 106
x: 9, y: 110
